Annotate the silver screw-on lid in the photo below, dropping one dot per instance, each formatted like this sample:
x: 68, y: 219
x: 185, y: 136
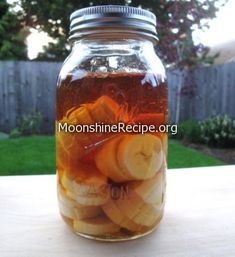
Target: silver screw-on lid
x: 112, y: 17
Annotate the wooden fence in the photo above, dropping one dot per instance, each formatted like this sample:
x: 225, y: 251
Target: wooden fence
x: 196, y: 94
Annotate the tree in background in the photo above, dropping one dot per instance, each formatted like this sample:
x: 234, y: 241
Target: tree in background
x: 12, y: 34
x: 176, y: 21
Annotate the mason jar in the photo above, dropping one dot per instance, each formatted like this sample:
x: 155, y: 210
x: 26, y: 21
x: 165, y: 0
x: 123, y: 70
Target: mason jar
x: 111, y: 101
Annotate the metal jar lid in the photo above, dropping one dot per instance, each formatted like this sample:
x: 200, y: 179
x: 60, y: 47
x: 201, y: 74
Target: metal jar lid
x: 112, y: 17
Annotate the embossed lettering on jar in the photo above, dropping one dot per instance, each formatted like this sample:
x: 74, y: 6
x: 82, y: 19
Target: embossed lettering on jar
x: 111, y: 184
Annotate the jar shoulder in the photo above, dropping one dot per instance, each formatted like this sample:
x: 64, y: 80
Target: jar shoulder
x: 112, y: 59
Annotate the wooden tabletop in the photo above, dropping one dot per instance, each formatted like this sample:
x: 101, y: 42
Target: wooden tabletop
x: 199, y: 219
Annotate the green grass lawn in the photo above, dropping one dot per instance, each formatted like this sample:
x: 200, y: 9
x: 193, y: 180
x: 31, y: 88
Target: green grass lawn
x: 36, y: 155
x: 27, y: 155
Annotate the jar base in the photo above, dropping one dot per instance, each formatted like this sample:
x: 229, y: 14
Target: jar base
x: 119, y: 238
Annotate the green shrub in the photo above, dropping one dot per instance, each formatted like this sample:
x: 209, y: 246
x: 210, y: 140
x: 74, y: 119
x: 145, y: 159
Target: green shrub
x: 218, y: 131
x: 15, y: 133
x: 30, y: 124
x: 189, y: 130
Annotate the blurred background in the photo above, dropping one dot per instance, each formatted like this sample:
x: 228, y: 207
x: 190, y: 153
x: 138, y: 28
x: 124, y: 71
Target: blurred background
x: 196, y: 44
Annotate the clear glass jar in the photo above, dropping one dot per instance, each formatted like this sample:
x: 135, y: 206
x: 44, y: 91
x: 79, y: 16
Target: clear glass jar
x: 111, y: 88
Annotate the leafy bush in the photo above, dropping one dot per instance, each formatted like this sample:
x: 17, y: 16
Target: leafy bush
x: 15, y: 133
x: 29, y: 124
x: 218, y: 131
x: 189, y: 130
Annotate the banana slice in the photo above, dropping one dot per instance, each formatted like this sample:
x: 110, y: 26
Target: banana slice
x: 86, y: 185
x: 115, y: 214
x: 130, y: 157
x: 79, y: 115
x: 106, y: 161
x: 66, y: 211
x: 84, y: 212
x: 140, y: 156
x: 148, y: 215
x: 73, y: 140
x: 144, y: 202
x: 64, y: 199
x: 88, y: 180
x: 71, y: 209
x: 104, y: 110
x: 138, y: 211
x: 89, y: 200
x: 95, y: 226
x: 150, y: 190
x: 79, y: 211
x: 68, y: 149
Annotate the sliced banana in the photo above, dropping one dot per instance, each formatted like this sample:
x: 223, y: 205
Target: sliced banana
x: 67, y: 211
x: 148, y: 215
x: 68, y: 149
x: 79, y: 115
x: 84, y: 212
x: 64, y: 199
x: 144, y: 202
x: 66, y: 205
x: 86, y: 185
x: 90, y: 182
x: 106, y: 160
x: 76, y: 116
x: 140, y: 156
x: 117, y: 216
x: 150, y: 190
x: 89, y: 200
x: 95, y: 226
x: 80, y: 211
x: 105, y: 109
x: 138, y: 211
x: 130, y: 157
x: 130, y: 205
x: 72, y: 209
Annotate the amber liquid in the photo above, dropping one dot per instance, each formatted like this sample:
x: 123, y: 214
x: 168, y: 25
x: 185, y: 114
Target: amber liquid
x: 111, y: 185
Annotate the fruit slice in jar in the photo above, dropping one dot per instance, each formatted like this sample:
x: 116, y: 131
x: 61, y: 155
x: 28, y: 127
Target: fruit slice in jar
x: 68, y: 149
x: 148, y: 215
x: 95, y: 226
x: 104, y: 110
x: 86, y: 185
x: 73, y: 210
x: 80, y: 116
x: 66, y: 205
x: 80, y: 212
x: 140, y: 156
x: 150, y: 190
x: 106, y: 160
x: 117, y: 216
x: 156, y: 119
x: 84, y: 212
x: 137, y: 210
x: 130, y: 157
x: 143, y: 203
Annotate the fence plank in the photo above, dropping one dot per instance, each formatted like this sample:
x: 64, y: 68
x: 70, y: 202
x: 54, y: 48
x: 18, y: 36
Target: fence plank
x: 196, y: 94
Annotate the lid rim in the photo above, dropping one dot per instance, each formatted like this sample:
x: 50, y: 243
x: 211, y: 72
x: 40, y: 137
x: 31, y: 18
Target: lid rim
x: 101, y: 9
x: 108, y: 15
